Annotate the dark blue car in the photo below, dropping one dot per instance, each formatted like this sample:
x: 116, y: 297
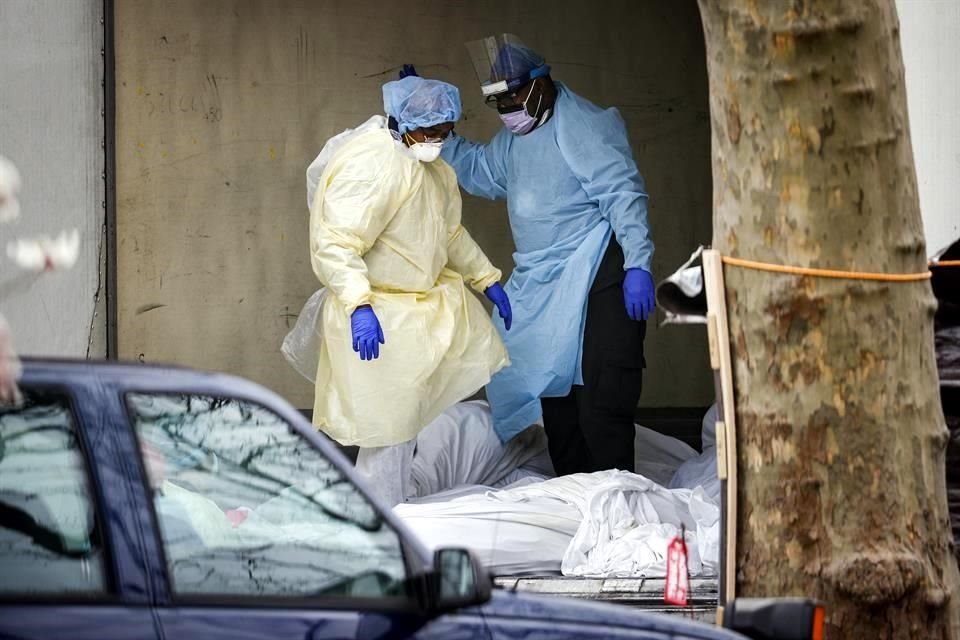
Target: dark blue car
x: 144, y: 502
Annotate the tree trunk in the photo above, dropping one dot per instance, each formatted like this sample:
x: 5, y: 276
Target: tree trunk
x: 841, y: 436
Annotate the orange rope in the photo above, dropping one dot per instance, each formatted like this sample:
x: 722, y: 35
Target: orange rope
x: 826, y: 273
x: 946, y: 263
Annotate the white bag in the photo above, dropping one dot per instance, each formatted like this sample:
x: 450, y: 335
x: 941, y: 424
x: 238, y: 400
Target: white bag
x: 461, y: 448
x: 301, y: 347
x: 701, y: 471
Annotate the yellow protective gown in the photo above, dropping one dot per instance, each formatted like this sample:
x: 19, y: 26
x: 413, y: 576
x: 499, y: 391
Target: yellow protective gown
x: 385, y: 231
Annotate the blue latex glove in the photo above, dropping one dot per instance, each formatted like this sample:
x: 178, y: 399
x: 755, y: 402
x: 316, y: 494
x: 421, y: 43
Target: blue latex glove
x: 408, y: 70
x: 638, y: 294
x: 498, y: 296
x: 367, y: 333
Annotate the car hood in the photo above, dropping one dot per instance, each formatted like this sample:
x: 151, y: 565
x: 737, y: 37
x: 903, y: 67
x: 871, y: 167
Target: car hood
x: 524, y: 606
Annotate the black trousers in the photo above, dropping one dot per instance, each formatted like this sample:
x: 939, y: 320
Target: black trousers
x: 592, y: 428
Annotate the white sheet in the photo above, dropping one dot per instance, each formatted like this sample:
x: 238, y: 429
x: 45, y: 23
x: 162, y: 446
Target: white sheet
x: 610, y: 523
x: 460, y: 448
x: 389, y: 470
x: 658, y: 456
x: 701, y: 470
x: 510, y: 537
x: 630, y: 520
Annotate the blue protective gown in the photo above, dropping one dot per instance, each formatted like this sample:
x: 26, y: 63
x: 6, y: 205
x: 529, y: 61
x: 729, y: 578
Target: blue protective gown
x: 568, y: 184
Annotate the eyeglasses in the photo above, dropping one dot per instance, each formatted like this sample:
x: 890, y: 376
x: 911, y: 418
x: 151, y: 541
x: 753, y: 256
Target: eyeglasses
x: 505, y: 102
x: 437, y: 133
x: 510, y: 101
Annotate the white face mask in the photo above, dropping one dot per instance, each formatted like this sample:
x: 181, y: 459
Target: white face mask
x: 426, y: 151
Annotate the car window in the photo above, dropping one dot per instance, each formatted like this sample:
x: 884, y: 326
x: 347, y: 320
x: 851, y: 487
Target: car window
x: 49, y: 540
x: 247, y: 506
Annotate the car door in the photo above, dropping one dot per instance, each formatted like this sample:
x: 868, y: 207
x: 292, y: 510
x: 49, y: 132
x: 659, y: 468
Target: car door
x: 58, y: 547
x: 263, y: 536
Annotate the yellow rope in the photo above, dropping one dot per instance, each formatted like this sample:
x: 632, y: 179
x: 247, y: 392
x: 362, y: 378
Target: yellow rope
x: 826, y: 273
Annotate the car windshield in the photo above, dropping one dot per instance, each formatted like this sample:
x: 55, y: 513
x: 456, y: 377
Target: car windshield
x: 248, y: 506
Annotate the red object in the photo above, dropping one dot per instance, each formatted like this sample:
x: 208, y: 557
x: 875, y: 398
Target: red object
x: 678, y: 577
x: 236, y: 516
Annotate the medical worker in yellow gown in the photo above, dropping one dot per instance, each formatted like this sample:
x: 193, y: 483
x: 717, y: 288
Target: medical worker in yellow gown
x: 402, y: 338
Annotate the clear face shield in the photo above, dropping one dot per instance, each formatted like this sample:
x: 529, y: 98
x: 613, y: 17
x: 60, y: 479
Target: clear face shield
x: 504, y: 64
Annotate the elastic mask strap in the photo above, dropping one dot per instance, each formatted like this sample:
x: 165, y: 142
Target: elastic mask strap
x: 539, y: 103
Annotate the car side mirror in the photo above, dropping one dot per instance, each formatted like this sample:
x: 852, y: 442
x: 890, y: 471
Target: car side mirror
x: 459, y: 580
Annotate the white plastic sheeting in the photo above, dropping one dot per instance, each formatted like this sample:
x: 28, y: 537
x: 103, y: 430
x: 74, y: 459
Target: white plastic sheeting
x: 301, y: 347
x: 511, y: 531
x: 610, y: 523
x: 389, y: 469
x: 701, y: 470
x: 657, y: 456
x: 460, y: 448
x: 628, y: 522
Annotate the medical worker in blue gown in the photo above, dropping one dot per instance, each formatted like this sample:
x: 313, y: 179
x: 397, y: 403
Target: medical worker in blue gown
x: 582, y: 289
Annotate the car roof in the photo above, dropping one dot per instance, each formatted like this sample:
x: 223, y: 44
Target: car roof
x: 145, y: 376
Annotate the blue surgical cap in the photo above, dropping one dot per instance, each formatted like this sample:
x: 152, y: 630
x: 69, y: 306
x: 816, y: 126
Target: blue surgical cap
x: 518, y: 65
x: 416, y: 102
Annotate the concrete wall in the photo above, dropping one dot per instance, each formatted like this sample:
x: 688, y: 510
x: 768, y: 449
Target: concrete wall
x: 311, y: 69
x: 930, y: 39
x: 51, y: 127
x: 222, y: 104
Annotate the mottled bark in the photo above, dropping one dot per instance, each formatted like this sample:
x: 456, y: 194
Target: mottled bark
x: 840, y: 431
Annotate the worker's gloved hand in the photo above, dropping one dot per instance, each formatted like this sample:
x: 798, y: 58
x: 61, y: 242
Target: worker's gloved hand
x: 638, y: 294
x: 498, y: 296
x: 367, y: 333
x: 408, y: 70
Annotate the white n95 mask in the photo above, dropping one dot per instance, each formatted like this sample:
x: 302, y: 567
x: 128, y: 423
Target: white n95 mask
x: 426, y: 151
